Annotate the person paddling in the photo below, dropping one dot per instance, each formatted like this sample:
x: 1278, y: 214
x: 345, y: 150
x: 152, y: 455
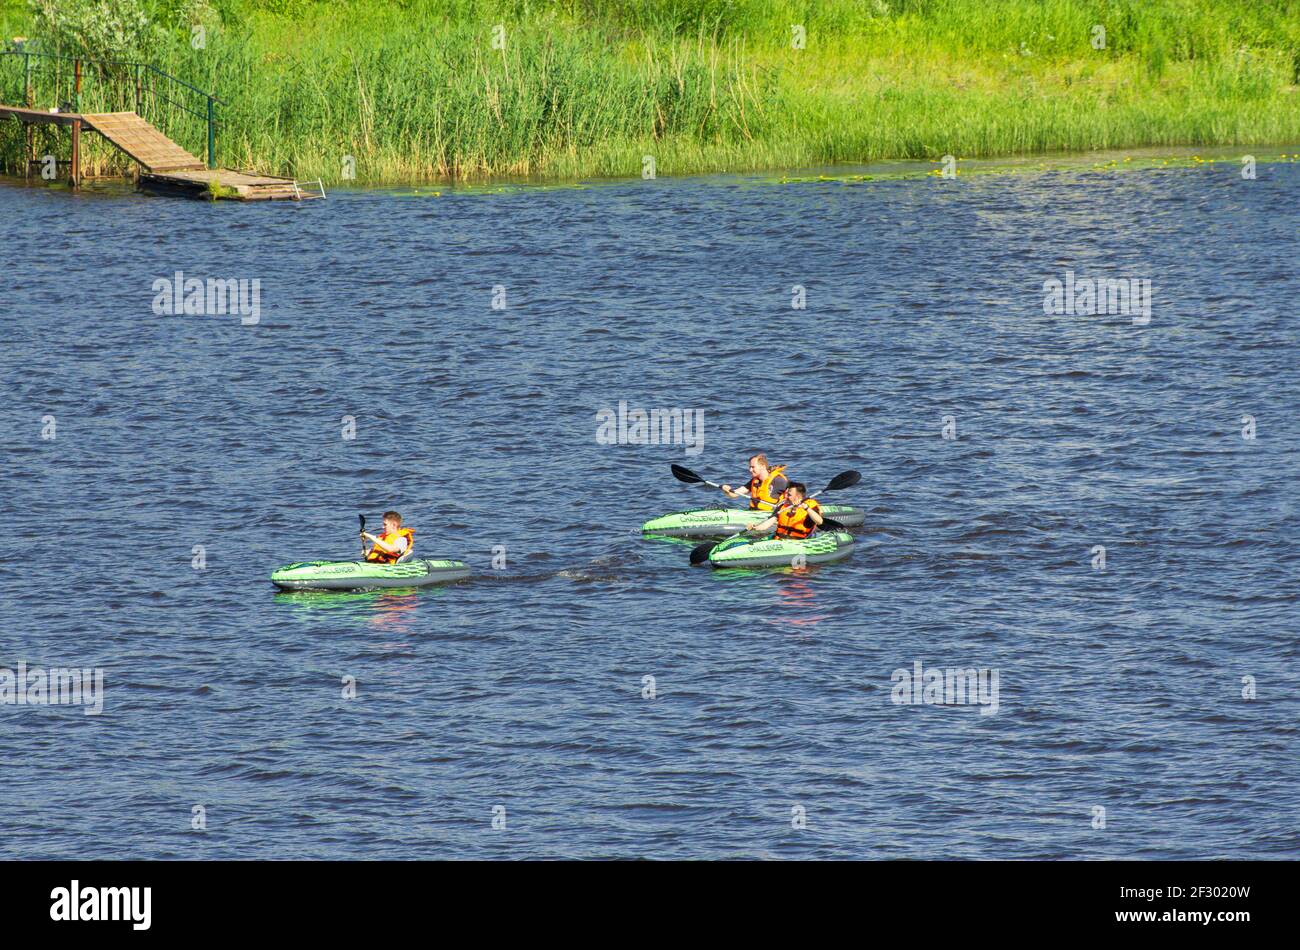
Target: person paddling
x: 766, y: 484
x: 393, y: 545
x: 798, y: 517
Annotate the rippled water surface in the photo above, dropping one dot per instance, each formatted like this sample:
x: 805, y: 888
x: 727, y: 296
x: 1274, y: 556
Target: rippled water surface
x: 523, y: 688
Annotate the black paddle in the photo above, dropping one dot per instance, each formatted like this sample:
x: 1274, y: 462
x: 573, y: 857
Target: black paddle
x: 842, y: 480
x: 700, y: 553
x: 363, y: 531
x: 690, y: 478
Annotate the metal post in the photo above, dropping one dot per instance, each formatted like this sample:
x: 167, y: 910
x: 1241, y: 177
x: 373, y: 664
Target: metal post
x: 76, y: 153
x: 212, y: 133
x: 139, y: 91
x: 29, y: 141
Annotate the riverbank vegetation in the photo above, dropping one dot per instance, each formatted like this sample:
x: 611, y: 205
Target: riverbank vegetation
x: 416, y: 90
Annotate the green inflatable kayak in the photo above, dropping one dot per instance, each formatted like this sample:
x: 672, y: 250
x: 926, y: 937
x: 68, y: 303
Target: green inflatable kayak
x: 362, y: 575
x: 821, y: 548
x: 720, y: 522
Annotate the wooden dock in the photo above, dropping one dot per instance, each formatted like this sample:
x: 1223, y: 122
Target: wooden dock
x: 240, y: 186
x: 165, y: 167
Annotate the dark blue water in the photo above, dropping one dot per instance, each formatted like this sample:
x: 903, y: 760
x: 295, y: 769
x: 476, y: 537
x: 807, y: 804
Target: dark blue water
x: 1119, y: 689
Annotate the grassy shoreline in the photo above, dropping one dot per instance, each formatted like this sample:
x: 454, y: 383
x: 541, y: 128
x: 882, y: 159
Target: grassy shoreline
x: 414, y: 91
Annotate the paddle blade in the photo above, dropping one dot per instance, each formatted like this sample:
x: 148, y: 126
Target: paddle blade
x: 844, y: 480
x: 700, y: 553
x: 686, y: 475
x: 830, y: 524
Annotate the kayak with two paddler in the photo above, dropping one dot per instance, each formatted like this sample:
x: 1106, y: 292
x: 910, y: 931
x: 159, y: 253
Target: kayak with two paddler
x: 764, y: 489
x: 805, y: 533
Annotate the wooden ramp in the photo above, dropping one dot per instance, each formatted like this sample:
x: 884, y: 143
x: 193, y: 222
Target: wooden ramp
x: 165, y: 167
x: 141, y: 141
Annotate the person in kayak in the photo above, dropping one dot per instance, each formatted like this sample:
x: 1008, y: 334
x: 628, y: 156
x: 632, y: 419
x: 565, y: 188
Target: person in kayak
x: 394, y: 544
x: 766, y: 484
x: 797, y: 518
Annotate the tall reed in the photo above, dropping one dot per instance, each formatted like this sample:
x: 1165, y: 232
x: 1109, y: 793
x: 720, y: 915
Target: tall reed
x: 412, y: 90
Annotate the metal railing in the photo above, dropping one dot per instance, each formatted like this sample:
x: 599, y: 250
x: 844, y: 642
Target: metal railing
x: 300, y: 194
x: 154, y: 95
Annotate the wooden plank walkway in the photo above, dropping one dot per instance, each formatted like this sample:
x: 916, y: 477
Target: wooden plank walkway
x: 166, y: 168
x: 141, y: 141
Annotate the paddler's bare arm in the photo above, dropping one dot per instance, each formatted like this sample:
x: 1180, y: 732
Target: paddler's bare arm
x: 386, y: 548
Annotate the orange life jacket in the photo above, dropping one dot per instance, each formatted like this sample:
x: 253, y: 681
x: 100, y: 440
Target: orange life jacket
x: 760, y: 490
x: 793, y: 522
x: 382, y: 556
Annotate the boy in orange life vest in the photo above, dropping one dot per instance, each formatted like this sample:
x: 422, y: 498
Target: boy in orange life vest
x: 395, y: 542
x: 798, y: 516
x: 766, y: 484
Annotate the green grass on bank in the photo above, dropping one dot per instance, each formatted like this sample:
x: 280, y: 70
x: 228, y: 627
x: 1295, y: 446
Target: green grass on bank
x: 413, y: 90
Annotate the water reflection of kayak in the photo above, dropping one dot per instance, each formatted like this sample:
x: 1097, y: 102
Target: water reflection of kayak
x: 362, y: 575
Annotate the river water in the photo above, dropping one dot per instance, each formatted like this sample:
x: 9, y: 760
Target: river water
x: 157, y: 468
